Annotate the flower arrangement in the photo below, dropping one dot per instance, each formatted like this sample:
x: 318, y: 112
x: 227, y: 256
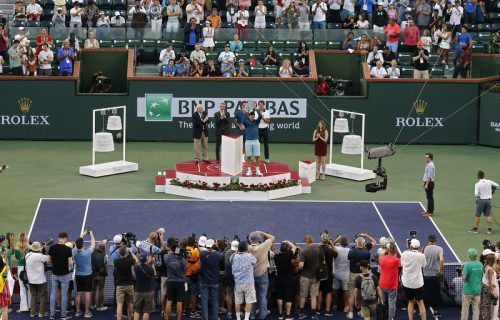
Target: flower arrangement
x: 280, y: 184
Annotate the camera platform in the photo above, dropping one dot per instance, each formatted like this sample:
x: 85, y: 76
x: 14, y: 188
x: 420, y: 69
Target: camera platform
x: 211, y: 174
x: 109, y: 168
x: 348, y: 172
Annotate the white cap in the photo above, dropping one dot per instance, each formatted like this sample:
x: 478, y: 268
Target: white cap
x: 234, y: 245
x: 117, y: 239
x: 20, y: 28
x: 202, y: 241
x: 210, y: 243
x: 487, y: 252
x: 161, y: 230
x: 117, y: 13
x: 383, y: 241
x: 102, y: 12
x: 414, y: 243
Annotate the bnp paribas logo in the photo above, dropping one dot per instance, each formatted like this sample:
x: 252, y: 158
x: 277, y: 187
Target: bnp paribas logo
x: 420, y: 107
x: 25, y: 105
x: 158, y: 107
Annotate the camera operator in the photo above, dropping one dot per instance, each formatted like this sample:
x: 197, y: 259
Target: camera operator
x: 62, y: 262
x: 122, y: 240
x: 144, y: 295
x: 152, y: 245
x: 210, y: 260
x: 483, y: 190
x: 83, y: 274
x: 99, y: 274
x: 432, y: 274
x: 329, y: 251
x: 413, y: 262
x: 176, y: 282
x: 35, y: 270
x: 124, y: 281
x: 228, y: 279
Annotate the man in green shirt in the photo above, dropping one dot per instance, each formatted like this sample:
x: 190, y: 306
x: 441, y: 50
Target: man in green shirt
x: 471, y: 275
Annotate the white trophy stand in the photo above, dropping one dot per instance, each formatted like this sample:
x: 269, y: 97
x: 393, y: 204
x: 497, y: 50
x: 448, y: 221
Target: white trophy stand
x: 231, y: 148
x: 103, y: 142
x: 352, y: 144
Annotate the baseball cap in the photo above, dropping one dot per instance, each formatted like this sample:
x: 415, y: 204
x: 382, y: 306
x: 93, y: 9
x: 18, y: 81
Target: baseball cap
x: 101, y: 13
x: 487, y: 252
x: 472, y: 252
x: 210, y: 243
x: 414, y: 243
x: 117, y: 239
x: 383, y: 241
x: 20, y: 28
x: 234, y: 245
x: 202, y: 241
x: 117, y: 13
x: 364, y: 263
x: 241, y: 60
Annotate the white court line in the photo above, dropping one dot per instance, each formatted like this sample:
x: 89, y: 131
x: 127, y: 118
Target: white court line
x: 85, y: 215
x: 441, y: 234
x: 385, y: 224
x: 34, y: 218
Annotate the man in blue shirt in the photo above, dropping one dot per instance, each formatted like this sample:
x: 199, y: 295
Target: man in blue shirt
x: 176, y: 282
x: 462, y: 40
x: 252, y: 145
x: 83, y: 272
x: 428, y: 184
x: 66, y: 55
x: 244, y: 288
x: 239, y: 117
x: 118, y: 241
x: 210, y: 263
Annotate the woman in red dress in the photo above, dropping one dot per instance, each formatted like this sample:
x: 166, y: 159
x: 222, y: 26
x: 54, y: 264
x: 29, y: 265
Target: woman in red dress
x: 320, y: 139
x: 4, y: 288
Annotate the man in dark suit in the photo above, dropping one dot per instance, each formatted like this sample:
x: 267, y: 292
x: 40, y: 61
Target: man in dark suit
x: 200, y: 134
x: 221, y: 127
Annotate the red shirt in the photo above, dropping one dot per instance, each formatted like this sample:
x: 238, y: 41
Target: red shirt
x: 466, y: 56
x: 392, y: 32
x: 322, y: 89
x: 389, y: 272
x: 412, y: 35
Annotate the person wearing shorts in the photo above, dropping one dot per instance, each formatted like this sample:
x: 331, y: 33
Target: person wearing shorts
x: 341, y: 273
x: 124, y: 281
x: 368, y: 305
x: 326, y: 286
x: 176, y: 282
x: 244, y: 286
x: 483, y: 192
x: 413, y: 261
x: 83, y: 272
x: 310, y: 261
x: 284, y: 280
x: 252, y: 144
x: 145, y: 280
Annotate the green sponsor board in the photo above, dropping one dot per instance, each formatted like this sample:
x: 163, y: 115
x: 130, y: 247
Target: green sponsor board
x: 489, y: 120
x: 158, y: 107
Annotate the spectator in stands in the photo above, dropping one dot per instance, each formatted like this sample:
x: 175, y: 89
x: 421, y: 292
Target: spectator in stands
x: 212, y: 70
x: 192, y: 33
x: 435, y: 19
x: 436, y: 33
x: 300, y: 70
x: 103, y: 20
x: 426, y: 40
x: 412, y: 279
x: 309, y: 283
x: 366, y: 8
x: 35, y: 267
x: 481, y: 14
x: 139, y: 19
x: 66, y: 56
x: 22, y: 36
x: 368, y: 290
x: 91, y: 12
x: 196, y: 69
x: 462, y: 40
x: 334, y: 11
x: 378, y: 71
x: 45, y: 59
x: 19, y: 11
x: 242, y: 69
x: 392, y: 31
x: 169, y: 69
x: 380, y: 18
x: 286, y: 71
x: 304, y: 12
x: 176, y: 269
x: 424, y: 11
x: 4, y: 42
x: 362, y: 23
x: 270, y: 57
x: 226, y: 55
x: 124, y: 281
x: 60, y: 4
x: 433, y: 271
x: 210, y: 263
x: 455, y: 11
x: 194, y: 10
x: 321, y: 90
x: 236, y: 45
x: 198, y: 54
x: 489, y: 286
x: 279, y: 14
x: 180, y: 58
x: 62, y: 259
x: 389, y: 269
x: 99, y: 274
x: 348, y: 9
x: 438, y: 6
x: 117, y: 21
x: 34, y: 11
x: 228, y: 69
x: 174, y: 14
x: 411, y: 37
x: 472, y: 274
x: 208, y: 37
x: 388, y: 56
x: 349, y: 42
x: 166, y: 55
x: 292, y: 14
x: 420, y: 62
x: 444, y: 45
x: 59, y: 18
x: 393, y: 71
x: 231, y: 9
x: 303, y: 53
x: 215, y: 19
x: 319, y: 10
x: 242, y: 266
x: 15, y: 55
x: 155, y: 16
x: 42, y: 38
x: 32, y: 64
x: 374, y: 56
x: 145, y: 278
x: 3, y: 21
x: 91, y: 42
x: 260, y: 13
x: 76, y: 14
x: 356, y: 254
x: 242, y: 22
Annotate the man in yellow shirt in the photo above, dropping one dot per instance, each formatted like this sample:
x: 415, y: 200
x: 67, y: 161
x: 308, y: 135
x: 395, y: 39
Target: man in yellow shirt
x: 215, y: 19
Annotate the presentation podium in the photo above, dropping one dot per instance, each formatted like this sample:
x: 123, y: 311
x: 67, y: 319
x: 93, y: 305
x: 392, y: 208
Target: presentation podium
x: 231, y: 150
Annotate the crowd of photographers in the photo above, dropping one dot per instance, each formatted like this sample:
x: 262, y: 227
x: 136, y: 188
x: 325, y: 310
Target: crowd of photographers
x: 240, y: 278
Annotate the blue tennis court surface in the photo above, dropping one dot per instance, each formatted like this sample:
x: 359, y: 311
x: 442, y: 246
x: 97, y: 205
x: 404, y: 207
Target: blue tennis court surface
x: 290, y: 220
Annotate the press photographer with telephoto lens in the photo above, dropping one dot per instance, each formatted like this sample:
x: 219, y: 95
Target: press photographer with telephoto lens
x: 176, y: 282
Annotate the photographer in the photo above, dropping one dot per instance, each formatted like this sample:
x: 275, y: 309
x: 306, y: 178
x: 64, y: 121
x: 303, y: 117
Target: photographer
x: 413, y: 262
x: 228, y: 279
x: 35, y: 270
x: 325, y: 286
x: 176, y: 269
x: 285, y: 264
x: 83, y: 274
x: 99, y: 274
x: 124, y: 281
x: 432, y: 274
x: 144, y: 295
x: 483, y: 191
x: 122, y: 240
x: 210, y: 260
x: 341, y: 270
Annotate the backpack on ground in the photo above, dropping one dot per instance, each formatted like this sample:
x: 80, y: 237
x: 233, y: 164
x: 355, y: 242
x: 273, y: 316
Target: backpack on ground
x: 368, y: 290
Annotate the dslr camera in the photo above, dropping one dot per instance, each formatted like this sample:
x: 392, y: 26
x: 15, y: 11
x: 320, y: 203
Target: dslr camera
x: 413, y: 235
x: 487, y: 244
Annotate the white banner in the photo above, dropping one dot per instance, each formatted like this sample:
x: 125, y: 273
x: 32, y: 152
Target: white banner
x: 185, y: 107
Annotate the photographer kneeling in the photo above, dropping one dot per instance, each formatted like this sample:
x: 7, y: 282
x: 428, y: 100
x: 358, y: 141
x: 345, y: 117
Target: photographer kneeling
x: 176, y: 282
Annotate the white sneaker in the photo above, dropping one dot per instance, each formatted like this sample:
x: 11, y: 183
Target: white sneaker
x: 350, y: 315
x: 249, y: 172
x: 103, y: 308
x: 257, y: 172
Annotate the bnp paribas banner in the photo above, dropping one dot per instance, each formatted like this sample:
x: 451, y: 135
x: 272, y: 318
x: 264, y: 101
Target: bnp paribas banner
x: 287, y: 113
x: 489, y: 129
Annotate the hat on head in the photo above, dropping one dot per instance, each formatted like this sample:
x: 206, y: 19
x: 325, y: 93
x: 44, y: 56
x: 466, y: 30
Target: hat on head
x: 419, y: 43
x: 364, y: 263
x: 210, y: 243
x: 20, y: 28
x: 36, y: 246
x: 234, y: 245
x: 472, y: 252
x: 383, y: 241
x: 487, y: 252
x: 117, y: 239
x: 414, y: 243
x: 117, y: 13
x: 241, y: 60
x: 202, y: 241
x: 101, y: 13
